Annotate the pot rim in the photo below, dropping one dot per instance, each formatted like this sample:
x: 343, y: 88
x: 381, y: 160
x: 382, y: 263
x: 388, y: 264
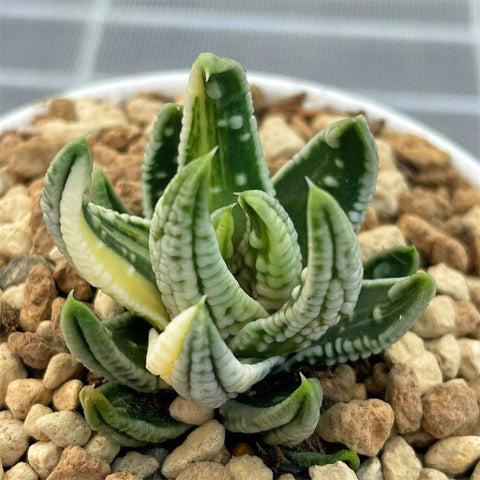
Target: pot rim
x: 173, y: 83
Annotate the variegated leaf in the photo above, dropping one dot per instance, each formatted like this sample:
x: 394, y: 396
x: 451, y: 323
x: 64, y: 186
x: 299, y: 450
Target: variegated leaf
x: 330, y: 286
x: 191, y: 356
x: 385, y: 311
x: 396, y: 262
x: 219, y: 113
x: 341, y: 159
x: 186, y: 257
x: 108, y: 249
x: 224, y: 225
x: 115, y: 349
x: 271, y: 254
x: 102, y: 193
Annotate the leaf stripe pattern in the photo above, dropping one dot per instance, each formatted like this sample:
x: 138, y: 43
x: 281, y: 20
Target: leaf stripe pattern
x: 330, y: 286
x: 186, y: 257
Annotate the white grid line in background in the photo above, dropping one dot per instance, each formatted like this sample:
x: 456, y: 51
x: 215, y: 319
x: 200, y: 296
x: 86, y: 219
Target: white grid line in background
x: 266, y: 24
x: 91, y: 41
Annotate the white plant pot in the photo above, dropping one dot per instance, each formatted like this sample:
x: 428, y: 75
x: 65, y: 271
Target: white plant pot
x: 173, y: 83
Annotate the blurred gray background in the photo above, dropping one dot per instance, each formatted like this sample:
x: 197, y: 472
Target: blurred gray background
x: 419, y: 56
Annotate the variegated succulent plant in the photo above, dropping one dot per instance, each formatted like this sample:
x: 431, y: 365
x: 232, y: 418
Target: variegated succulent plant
x: 231, y: 276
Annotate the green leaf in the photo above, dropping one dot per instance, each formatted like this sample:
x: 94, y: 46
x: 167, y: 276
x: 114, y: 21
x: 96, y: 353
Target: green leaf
x: 224, y: 225
x: 397, y: 262
x: 160, y: 161
x: 192, y: 356
x: 219, y: 113
x: 102, y: 193
x: 385, y: 311
x: 126, y: 417
x: 186, y: 257
x: 309, y: 459
x: 288, y: 422
x: 115, y: 349
x: 342, y: 159
x: 272, y: 257
x: 330, y: 286
x: 109, y: 250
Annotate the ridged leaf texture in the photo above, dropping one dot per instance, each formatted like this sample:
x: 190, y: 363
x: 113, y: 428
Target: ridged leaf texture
x: 115, y: 349
x: 287, y: 422
x: 192, y: 356
x: 126, y: 417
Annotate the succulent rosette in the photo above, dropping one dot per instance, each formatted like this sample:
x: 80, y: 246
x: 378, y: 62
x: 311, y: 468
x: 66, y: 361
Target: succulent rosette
x: 230, y: 276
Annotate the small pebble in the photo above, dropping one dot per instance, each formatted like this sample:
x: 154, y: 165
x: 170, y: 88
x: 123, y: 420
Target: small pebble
x: 399, y: 461
x: 432, y: 474
x: 453, y: 455
x: 340, y: 387
x: 363, y: 426
x: 77, y: 464
x: 13, y: 441
x: 32, y: 348
x: 30, y: 424
x: 334, y: 471
x: 450, y: 282
x: 375, y: 241
x: 437, y: 319
x: 189, y: 412
x: 61, y: 368
x: 370, y: 469
x: 469, y: 358
x: 102, y: 447
x: 43, y: 457
x: 21, y: 471
x: 205, y: 471
x: 201, y: 445
x: 65, y: 428
x: 66, y: 396
x: 447, y: 353
x: 136, y: 464
x: 247, y: 467
x: 11, y: 368
x: 105, y: 306
x: 22, y: 394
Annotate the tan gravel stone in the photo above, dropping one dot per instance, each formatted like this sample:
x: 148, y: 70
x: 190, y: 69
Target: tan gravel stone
x: 431, y: 474
x: 450, y: 282
x: 122, y: 476
x: 449, y: 407
x: 411, y: 351
x: 205, y: 471
x: 379, y: 239
x: 61, y: 368
x: 278, y: 138
x: 334, y: 471
x: 11, y: 368
x: 476, y: 472
x: 453, y: 455
x: 247, y: 467
x: 136, y: 464
x: 363, y: 426
x: 15, y: 296
x: 40, y: 292
x: 30, y: 424
x: 189, y: 412
x: 437, y: 319
x: 76, y: 463
x: 340, y: 387
x: 447, y: 353
x: 399, y: 460
x: 469, y: 358
x: 13, y: 441
x: 21, y: 471
x: 67, y: 279
x: 102, y: 447
x: 370, y: 469
x: 467, y: 318
x: 143, y: 111
x: 32, y: 348
x: 15, y: 238
x: 105, y: 306
x: 65, y: 397
x: 65, y: 428
x: 403, y: 394
x: 22, y: 394
x: 390, y: 184
x: 43, y: 457
x: 201, y: 445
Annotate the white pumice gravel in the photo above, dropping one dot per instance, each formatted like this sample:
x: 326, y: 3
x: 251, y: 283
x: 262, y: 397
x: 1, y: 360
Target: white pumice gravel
x: 65, y: 428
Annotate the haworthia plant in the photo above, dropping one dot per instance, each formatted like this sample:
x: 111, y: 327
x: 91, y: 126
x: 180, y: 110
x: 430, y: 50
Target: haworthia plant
x: 229, y: 276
